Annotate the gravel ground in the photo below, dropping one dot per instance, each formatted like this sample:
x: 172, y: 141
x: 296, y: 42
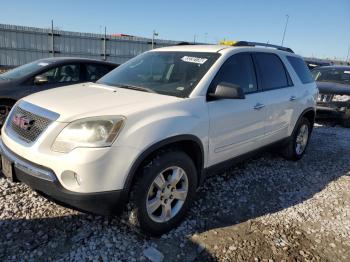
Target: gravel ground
x: 265, y: 209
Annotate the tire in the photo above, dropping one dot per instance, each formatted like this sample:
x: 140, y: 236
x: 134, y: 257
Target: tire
x: 296, y: 147
x: 150, y: 191
x: 346, y: 120
x: 5, y: 107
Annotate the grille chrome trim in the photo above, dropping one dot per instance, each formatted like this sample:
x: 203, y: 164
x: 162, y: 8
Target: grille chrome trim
x: 42, y: 120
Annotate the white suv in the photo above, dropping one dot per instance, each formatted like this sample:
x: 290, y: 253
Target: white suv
x: 150, y: 131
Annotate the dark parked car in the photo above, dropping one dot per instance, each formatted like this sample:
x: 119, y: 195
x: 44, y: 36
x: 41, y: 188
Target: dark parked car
x: 44, y: 74
x: 311, y: 64
x: 333, y: 83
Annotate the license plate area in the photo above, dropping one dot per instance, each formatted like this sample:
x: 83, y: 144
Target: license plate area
x: 7, y: 168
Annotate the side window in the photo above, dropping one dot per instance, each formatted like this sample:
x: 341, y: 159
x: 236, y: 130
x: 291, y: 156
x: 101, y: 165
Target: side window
x: 238, y: 70
x: 272, y: 71
x: 301, y: 69
x: 63, y: 74
x: 96, y: 71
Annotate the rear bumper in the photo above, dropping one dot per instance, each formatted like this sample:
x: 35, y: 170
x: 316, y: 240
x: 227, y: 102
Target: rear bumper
x: 46, y: 183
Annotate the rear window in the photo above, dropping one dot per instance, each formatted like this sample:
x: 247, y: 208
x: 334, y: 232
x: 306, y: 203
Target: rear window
x: 272, y: 71
x: 301, y: 69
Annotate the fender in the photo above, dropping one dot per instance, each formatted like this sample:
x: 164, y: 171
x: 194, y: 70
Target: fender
x: 163, y: 143
x: 307, y: 110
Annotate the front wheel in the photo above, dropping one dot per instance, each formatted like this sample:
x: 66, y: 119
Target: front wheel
x: 164, y: 192
x: 5, y: 108
x: 299, y: 141
x: 346, y: 120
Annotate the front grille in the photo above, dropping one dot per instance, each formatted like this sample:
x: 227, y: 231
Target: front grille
x: 325, y: 98
x: 39, y: 124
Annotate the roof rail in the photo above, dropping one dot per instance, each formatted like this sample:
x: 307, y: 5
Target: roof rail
x: 246, y: 43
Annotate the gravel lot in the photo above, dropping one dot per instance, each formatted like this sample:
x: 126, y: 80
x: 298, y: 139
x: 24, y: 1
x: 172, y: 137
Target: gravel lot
x: 265, y: 209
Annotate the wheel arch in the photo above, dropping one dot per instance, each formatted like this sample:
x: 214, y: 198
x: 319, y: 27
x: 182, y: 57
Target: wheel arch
x: 7, y: 99
x: 190, y: 144
x: 310, y: 114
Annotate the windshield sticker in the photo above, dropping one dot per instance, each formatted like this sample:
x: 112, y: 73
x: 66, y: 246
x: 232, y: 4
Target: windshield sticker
x: 43, y: 64
x: 196, y: 60
x: 346, y: 72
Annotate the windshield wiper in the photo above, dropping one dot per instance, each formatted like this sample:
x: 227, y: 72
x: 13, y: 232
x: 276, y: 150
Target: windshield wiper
x: 138, y: 88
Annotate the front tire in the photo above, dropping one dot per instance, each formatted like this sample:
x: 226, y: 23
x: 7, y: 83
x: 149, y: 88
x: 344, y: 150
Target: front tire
x: 164, y: 192
x: 346, y: 120
x: 5, y: 108
x: 299, y: 141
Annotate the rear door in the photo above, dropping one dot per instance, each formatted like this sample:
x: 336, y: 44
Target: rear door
x: 236, y: 125
x: 279, y: 96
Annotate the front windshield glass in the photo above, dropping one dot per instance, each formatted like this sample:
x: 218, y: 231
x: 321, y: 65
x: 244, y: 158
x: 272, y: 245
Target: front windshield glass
x: 169, y: 73
x: 337, y: 75
x: 23, y: 70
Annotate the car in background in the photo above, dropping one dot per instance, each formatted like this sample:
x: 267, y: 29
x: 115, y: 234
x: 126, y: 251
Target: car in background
x: 45, y: 74
x: 333, y: 102
x: 311, y: 64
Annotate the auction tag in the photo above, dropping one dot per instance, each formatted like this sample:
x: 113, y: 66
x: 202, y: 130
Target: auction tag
x: 192, y: 59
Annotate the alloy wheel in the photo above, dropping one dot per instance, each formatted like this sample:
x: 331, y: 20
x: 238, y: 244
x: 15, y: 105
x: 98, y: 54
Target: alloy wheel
x: 167, y: 194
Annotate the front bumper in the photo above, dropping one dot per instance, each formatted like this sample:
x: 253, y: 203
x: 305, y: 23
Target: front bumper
x: 332, y: 110
x: 46, y: 183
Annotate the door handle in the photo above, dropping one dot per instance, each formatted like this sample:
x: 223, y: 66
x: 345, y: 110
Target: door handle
x: 292, y: 98
x: 259, y: 106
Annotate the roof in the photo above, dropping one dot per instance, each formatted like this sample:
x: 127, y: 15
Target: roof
x: 194, y: 48
x: 341, y: 67
x: 219, y: 48
x: 74, y: 59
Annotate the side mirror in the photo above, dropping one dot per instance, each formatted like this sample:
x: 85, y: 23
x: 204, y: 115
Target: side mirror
x: 227, y: 91
x: 40, y: 80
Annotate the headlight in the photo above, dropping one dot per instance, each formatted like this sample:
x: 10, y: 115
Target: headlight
x: 88, y: 132
x: 341, y: 98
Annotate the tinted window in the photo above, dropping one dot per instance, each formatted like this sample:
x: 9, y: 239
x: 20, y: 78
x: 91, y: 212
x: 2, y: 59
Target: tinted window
x: 95, y: 71
x: 272, y: 71
x: 301, y: 69
x: 63, y: 74
x: 238, y: 70
x: 25, y: 70
x: 337, y: 75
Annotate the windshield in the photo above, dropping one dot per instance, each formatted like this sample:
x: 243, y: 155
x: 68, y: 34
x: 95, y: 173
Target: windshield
x: 337, y: 75
x: 168, y: 73
x: 23, y: 70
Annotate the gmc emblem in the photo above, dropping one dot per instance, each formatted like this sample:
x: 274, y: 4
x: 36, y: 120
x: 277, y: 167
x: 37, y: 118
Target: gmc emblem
x: 22, y: 122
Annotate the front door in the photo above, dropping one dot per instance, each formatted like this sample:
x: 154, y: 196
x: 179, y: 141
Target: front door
x: 236, y: 125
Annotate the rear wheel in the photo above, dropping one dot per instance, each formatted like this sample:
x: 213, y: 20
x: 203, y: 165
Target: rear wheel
x: 164, y: 192
x: 299, y: 141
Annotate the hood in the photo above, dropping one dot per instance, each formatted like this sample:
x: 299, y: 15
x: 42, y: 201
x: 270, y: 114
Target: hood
x: 6, y: 82
x: 333, y: 88
x: 87, y: 100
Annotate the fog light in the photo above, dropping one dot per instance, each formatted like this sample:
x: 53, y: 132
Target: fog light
x: 70, y: 178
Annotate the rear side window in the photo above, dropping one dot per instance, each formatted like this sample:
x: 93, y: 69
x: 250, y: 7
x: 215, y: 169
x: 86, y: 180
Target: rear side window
x: 272, y: 71
x: 96, y: 71
x: 301, y: 69
x: 238, y: 70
